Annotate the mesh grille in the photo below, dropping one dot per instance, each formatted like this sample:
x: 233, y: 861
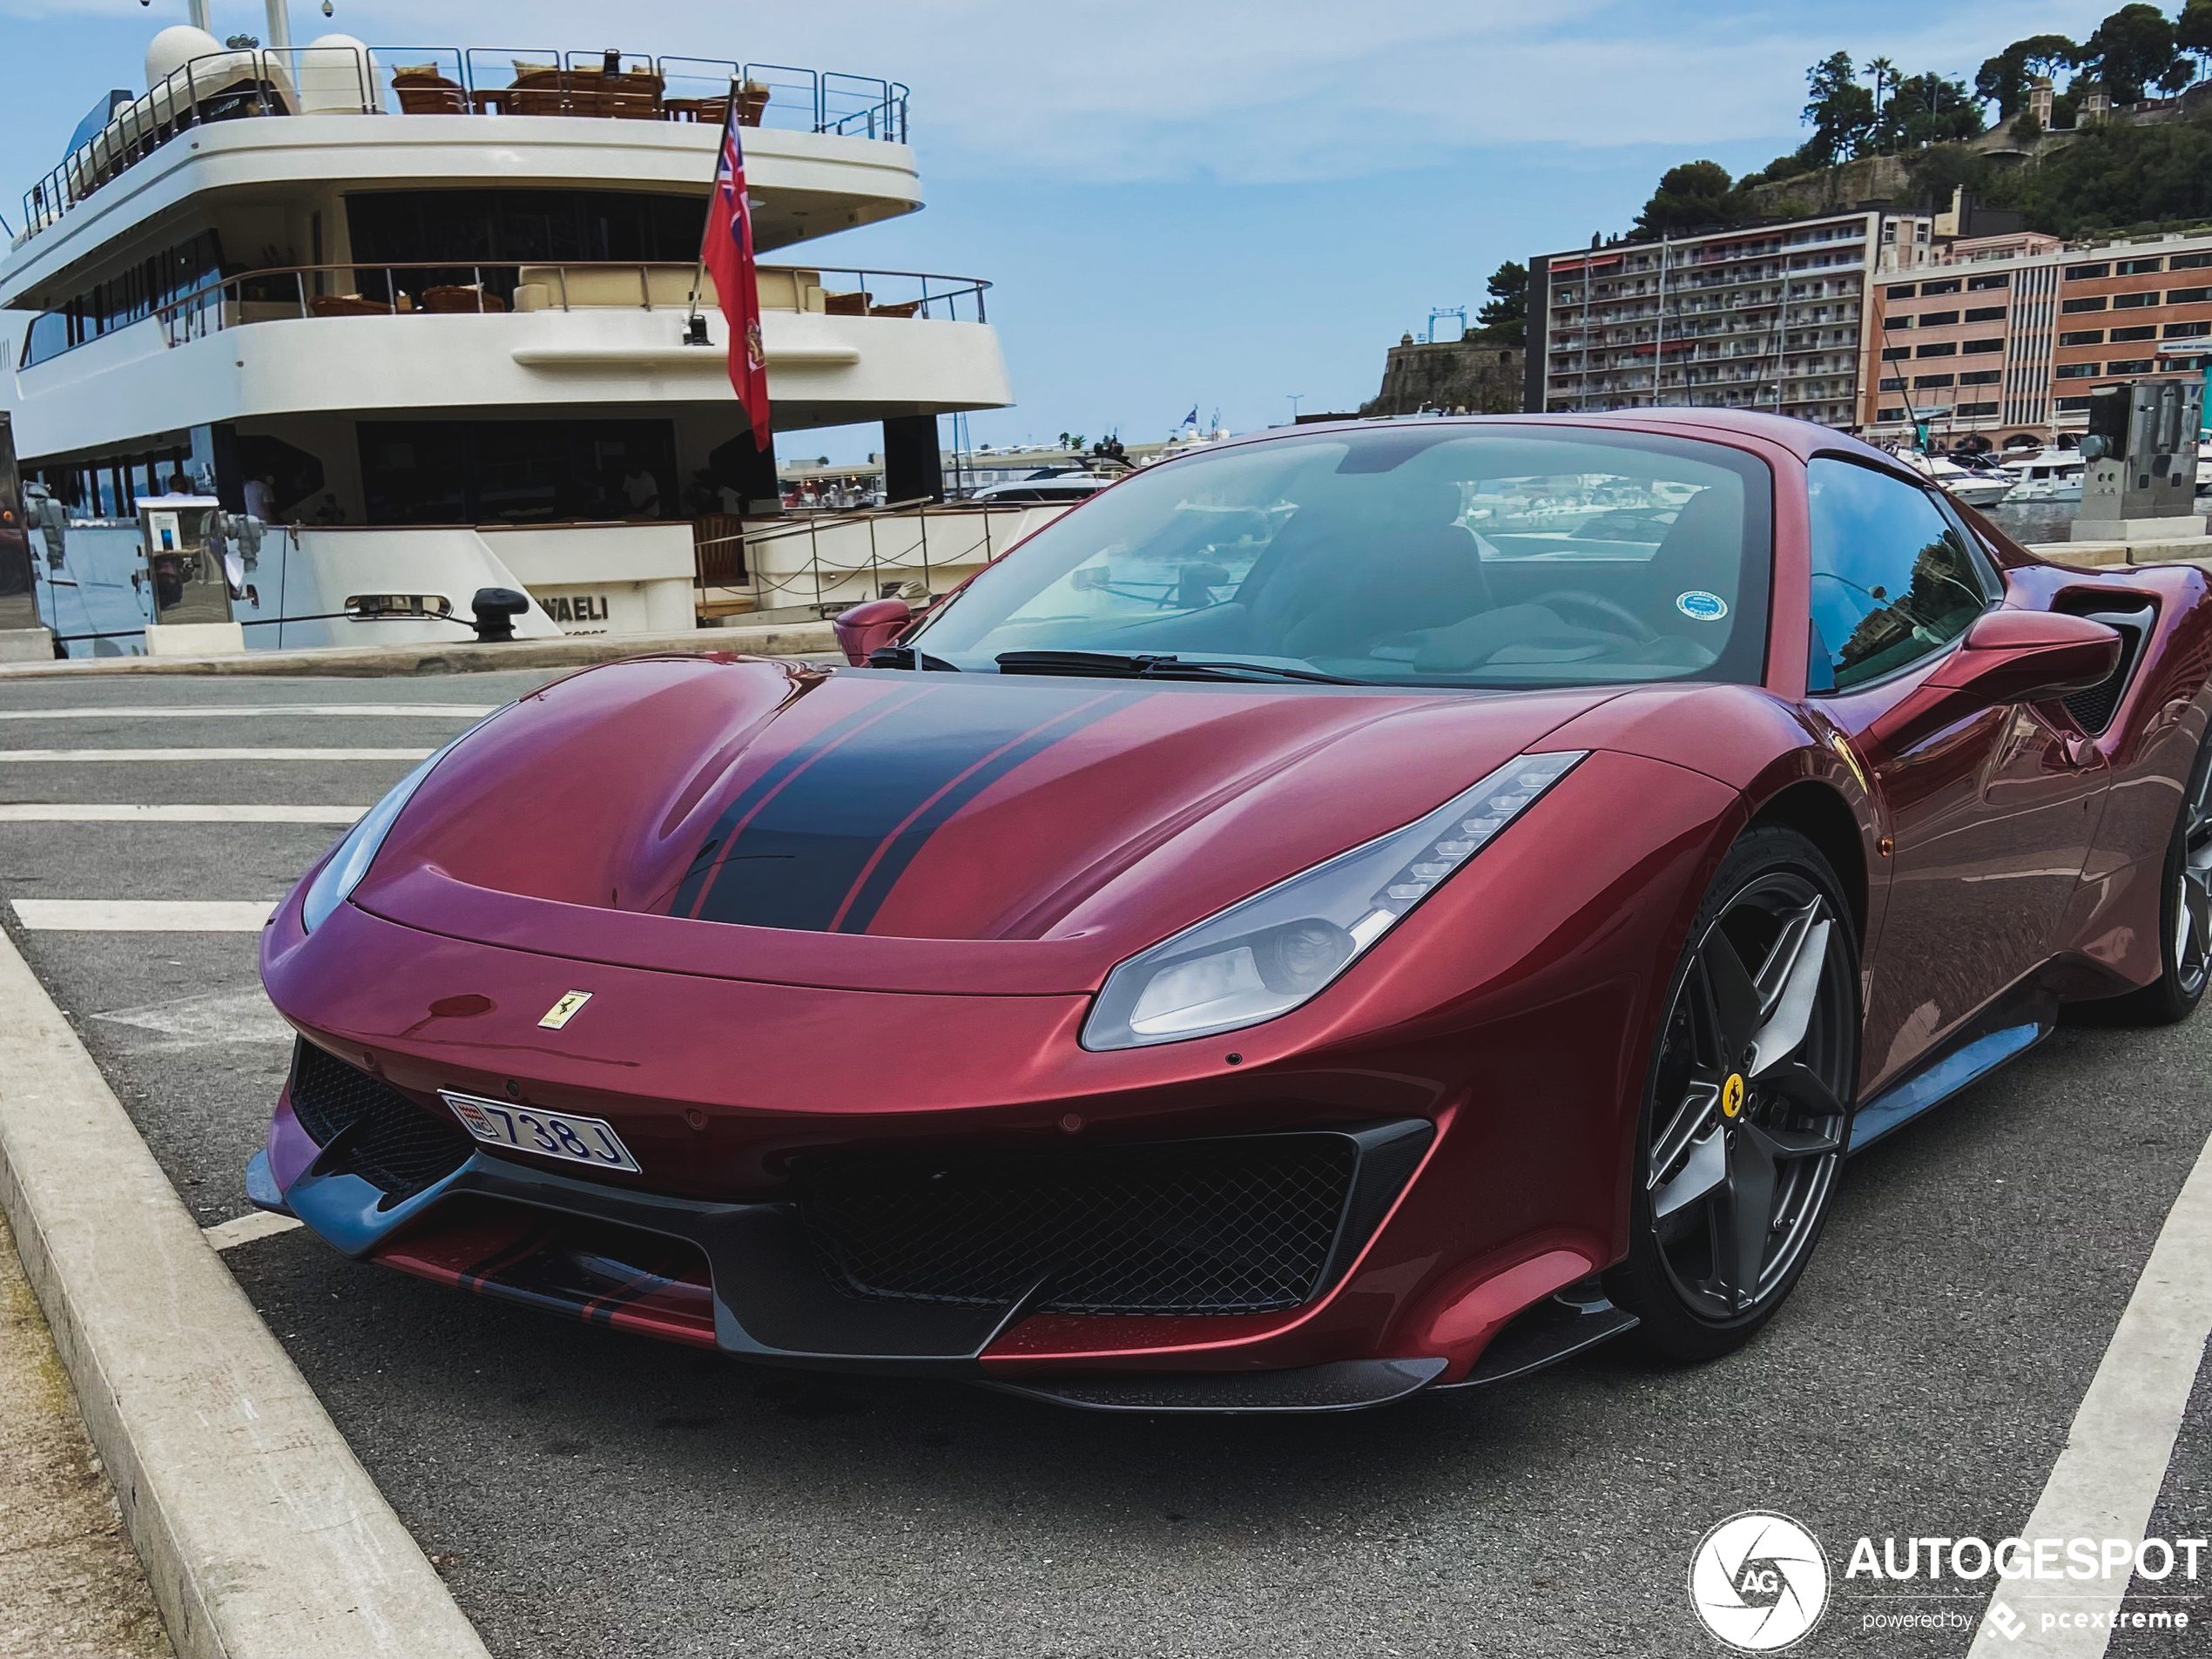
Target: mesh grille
x: 1232, y: 1226
x: 2093, y: 709
x: 395, y: 1146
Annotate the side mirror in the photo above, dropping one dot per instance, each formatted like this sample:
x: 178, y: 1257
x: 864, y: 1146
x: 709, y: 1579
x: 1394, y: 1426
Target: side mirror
x: 864, y: 627
x: 2027, y: 655
x: 2007, y: 656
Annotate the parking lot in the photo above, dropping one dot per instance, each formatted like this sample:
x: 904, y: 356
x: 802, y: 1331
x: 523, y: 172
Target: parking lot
x: 585, y: 1492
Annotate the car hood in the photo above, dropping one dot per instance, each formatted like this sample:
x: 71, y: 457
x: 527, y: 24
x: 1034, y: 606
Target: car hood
x: 900, y: 831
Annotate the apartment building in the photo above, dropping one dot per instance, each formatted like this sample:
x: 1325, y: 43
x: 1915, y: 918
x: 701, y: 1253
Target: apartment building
x: 2007, y: 337
x: 1771, y: 318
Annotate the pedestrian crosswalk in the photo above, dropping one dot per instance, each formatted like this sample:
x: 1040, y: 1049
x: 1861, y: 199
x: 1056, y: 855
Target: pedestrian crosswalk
x: 144, y: 915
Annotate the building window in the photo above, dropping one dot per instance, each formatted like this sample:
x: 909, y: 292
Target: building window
x: 2188, y: 296
x: 2130, y: 366
x: 1982, y: 377
x: 2188, y: 330
x: 1896, y: 323
x: 1900, y: 291
x: 1923, y: 382
x: 2083, y: 337
x: 1976, y: 347
x: 1938, y: 348
x: 2094, y: 302
x: 1889, y: 385
x: 2074, y: 371
x: 1889, y: 414
x: 2140, y: 331
x: 2087, y: 273
x: 2135, y: 301
x: 1937, y: 318
x: 1970, y: 410
x: 1927, y: 289
x: 2190, y: 261
x: 2072, y: 405
x: 2140, y: 267
x: 1986, y: 313
x: 1892, y: 353
x: 1981, y: 284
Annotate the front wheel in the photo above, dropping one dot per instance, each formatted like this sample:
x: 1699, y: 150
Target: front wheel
x: 1747, y: 1111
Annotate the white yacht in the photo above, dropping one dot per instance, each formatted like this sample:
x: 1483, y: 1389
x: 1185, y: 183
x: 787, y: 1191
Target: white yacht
x: 373, y: 328
x: 1975, y: 489
x: 2044, y: 474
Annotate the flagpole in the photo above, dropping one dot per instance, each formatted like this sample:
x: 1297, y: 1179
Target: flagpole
x: 693, y: 331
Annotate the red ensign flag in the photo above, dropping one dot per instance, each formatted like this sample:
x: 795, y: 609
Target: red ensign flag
x: 727, y: 253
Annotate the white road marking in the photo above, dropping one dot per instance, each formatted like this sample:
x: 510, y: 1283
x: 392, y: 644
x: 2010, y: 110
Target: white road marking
x: 105, y: 812
x: 144, y: 915
x: 367, y: 710
x: 2107, y: 1481
x: 73, y: 756
x: 210, y: 1019
x: 244, y: 1229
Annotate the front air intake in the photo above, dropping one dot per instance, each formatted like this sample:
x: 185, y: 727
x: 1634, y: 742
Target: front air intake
x: 1242, y: 1224
x: 369, y: 1129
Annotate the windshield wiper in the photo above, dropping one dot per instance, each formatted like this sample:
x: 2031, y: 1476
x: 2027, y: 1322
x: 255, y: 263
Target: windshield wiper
x: 908, y: 657
x: 1147, y: 665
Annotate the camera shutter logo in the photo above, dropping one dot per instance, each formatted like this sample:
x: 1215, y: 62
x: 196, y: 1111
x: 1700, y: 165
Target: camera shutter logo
x: 1759, y: 1582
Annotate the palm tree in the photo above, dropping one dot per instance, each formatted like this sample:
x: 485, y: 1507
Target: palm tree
x: 1882, y: 70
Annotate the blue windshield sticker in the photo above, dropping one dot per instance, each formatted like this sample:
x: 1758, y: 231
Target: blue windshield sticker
x: 1700, y: 606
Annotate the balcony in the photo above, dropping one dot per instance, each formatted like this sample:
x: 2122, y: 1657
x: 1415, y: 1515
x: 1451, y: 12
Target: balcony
x: 501, y: 82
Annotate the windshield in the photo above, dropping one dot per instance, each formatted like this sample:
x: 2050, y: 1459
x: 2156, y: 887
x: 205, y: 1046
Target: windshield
x: 1430, y: 554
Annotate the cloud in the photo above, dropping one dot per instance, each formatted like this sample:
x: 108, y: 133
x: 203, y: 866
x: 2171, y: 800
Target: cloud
x: 1300, y: 90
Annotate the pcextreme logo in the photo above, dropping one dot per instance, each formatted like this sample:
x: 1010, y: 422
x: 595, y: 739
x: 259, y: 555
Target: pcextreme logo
x: 1758, y: 1581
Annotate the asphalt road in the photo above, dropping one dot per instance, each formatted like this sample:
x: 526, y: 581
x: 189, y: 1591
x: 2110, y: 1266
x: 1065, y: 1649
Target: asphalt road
x: 589, y: 1493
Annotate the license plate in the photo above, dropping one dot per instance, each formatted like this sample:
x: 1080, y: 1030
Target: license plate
x: 532, y: 1128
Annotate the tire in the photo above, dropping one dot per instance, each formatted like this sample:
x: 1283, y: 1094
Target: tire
x: 2184, y: 915
x: 1737, y: 1151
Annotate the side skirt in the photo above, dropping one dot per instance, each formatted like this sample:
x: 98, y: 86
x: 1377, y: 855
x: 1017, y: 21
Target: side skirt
x: 1987, y: 1043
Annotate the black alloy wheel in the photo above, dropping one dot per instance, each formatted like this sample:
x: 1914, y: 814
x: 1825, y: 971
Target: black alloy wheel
x: 2185, y: 915
x: 1748, y: 1112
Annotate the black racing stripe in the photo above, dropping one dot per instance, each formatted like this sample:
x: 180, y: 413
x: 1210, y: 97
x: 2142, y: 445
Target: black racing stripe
x: 910, y: 840
x: 533, y: 1240
x: 601, y: 1310
x: 796, y: 862
x: 704, y: 863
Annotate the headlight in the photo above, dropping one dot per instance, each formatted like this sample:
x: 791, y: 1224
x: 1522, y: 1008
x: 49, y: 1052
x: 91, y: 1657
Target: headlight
x: 1266, y: 954
x: 351, y: 861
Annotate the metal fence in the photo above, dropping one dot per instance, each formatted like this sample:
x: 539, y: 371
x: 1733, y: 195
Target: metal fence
x: 451, y: 80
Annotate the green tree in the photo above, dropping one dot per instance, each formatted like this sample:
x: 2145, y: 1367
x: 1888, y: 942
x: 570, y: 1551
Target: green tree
x: 2004, y: 79
x: 1941, y: 169
x: 1506, y: 314
x: 2113, y: 176
x: 2193, y: 31
x: 2131, y: 49
x: 1927, y: 108
x: 1690, y: 197
x: 1840, y: 113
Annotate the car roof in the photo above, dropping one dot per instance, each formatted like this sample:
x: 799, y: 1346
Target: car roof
x: 1802, y: 438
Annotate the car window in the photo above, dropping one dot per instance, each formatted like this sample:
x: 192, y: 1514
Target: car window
x: 1436, y: 553
x: 1893, y: 579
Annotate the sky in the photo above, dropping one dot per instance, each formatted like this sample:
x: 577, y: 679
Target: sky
x: 1224, y: 203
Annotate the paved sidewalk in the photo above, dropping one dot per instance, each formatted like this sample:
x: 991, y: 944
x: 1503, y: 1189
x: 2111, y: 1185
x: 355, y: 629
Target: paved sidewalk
x: 69, y: 1585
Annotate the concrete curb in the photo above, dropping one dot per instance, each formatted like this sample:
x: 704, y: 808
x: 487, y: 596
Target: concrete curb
x: 576, y: 651
x: 261, y: 1534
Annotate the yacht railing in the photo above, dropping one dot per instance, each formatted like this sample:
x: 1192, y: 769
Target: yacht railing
x: 451, y: 80
x: 444, y: 287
